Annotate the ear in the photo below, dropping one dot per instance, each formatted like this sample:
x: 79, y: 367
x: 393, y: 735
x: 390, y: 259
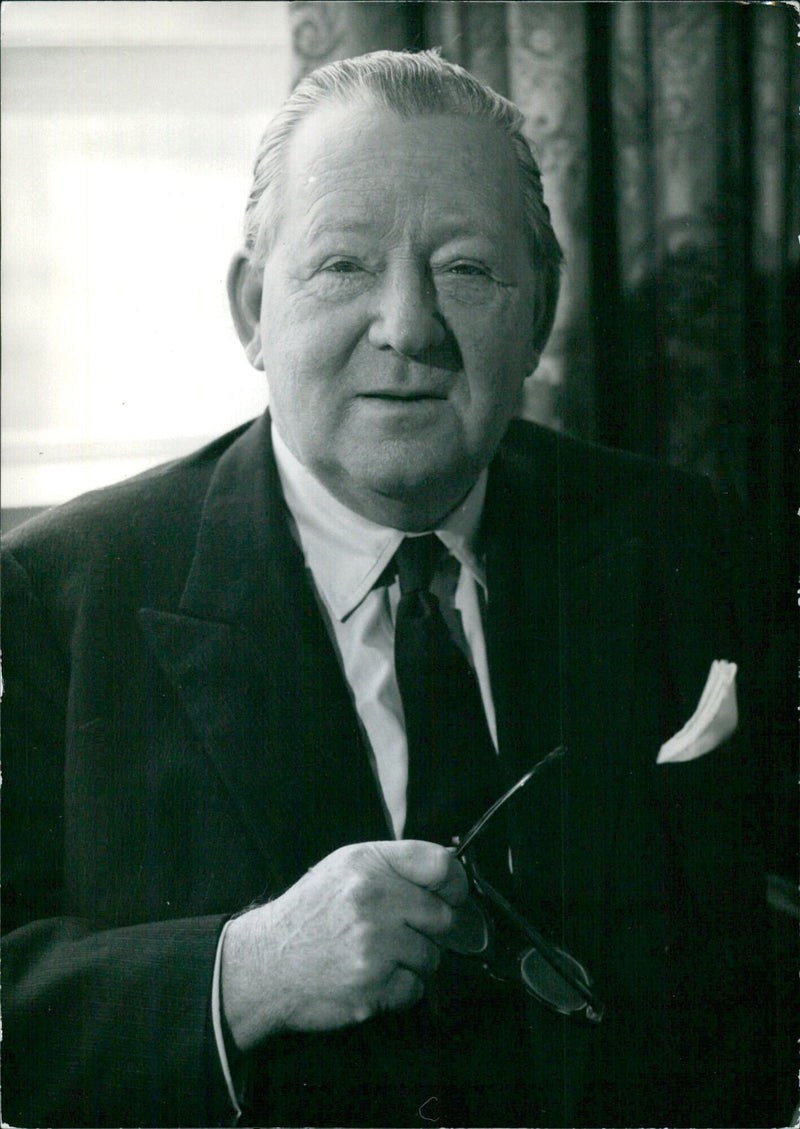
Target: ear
x: 244, y: 295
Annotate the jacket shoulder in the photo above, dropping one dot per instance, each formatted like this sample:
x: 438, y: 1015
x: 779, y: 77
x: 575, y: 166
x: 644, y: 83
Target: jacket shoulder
x: 588, y: 480
x: 138, y: 506
x: 587, y: 467
x: 143, y: 524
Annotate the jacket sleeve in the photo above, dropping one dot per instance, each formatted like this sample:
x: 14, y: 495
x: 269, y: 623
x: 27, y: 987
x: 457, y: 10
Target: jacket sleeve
x: 101, y: 1026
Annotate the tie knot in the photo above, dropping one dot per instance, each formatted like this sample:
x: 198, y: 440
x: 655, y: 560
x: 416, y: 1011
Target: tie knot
x: 416, y: 560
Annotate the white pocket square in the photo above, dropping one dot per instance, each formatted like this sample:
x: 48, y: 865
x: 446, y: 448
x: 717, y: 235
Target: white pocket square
x: 714, y: 720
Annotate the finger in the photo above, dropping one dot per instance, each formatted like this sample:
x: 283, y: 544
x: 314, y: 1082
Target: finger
x: 469, y: 932
x: 403, y: 989
x: 428, y: 865
x: 417, y: 952
x: 423, y: 911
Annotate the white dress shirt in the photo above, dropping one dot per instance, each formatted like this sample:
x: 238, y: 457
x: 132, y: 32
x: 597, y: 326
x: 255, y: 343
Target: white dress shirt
x: 347, y: 556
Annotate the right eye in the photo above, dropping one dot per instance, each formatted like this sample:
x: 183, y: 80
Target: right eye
x: 342, y: 266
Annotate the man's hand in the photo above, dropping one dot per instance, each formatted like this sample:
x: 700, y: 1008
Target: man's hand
x: 357, y: 935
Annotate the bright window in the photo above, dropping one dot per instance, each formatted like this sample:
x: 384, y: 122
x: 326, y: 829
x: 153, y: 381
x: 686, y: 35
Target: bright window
x: 129, y: 131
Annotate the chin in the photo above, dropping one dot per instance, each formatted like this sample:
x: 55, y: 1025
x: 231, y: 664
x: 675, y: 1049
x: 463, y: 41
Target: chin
x: 418, y: 492
x: 403, y: 477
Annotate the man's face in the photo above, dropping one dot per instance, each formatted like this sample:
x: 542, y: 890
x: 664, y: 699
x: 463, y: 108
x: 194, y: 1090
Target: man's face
x: 397, y: 307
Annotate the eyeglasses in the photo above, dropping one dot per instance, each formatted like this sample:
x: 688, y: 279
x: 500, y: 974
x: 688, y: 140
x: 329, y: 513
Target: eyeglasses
x: 509, y: 947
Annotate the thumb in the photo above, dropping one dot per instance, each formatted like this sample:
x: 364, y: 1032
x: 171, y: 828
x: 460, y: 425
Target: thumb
x: 428, y: 865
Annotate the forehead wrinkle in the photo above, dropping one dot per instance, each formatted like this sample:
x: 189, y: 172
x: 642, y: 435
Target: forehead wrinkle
x: 346, y: 182
x: 405, y: 217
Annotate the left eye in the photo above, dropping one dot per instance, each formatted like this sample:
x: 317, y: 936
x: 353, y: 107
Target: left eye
x: 468, y: 270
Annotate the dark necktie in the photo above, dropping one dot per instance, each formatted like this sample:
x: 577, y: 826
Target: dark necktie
x: 453, y: 773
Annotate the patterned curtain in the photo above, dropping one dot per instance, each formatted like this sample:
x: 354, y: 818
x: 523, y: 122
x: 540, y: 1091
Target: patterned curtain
x: 669, y: 152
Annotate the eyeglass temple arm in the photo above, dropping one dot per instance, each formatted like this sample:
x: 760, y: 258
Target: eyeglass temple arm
x: 543, y: 947
x: 476, y: 829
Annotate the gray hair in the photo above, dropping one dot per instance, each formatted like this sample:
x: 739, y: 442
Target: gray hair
x: 407, y: 84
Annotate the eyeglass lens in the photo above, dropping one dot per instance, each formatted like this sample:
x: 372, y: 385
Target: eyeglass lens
x: 549, y: 985
x: 547, y: 972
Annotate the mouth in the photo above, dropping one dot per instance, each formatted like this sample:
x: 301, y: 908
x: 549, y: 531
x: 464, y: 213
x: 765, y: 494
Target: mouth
x: 405, y: 397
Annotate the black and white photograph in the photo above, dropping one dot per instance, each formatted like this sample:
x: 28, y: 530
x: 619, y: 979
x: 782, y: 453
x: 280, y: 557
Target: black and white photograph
x: 400, y: 564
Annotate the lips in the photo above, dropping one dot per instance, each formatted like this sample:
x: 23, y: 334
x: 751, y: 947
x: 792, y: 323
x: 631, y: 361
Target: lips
x: 405, y: 396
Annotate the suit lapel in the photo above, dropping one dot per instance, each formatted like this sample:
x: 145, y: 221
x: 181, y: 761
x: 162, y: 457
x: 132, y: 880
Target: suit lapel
x: 249, y: 655
x: 564, y: 595
x: 561, y: 633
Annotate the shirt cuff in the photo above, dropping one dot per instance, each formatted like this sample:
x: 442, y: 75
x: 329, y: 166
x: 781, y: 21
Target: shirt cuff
x: 216, y: 1020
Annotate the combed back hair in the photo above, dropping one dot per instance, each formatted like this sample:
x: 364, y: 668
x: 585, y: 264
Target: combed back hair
x: 410, y: 85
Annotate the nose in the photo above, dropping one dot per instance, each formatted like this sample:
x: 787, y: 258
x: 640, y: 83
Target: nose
x: 406, y: 318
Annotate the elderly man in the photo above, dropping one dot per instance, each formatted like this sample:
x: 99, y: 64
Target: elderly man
x: 251, y: 678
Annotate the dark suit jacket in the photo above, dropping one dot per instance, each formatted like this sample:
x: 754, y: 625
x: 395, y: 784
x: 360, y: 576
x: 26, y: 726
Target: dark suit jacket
x: 179, y: 742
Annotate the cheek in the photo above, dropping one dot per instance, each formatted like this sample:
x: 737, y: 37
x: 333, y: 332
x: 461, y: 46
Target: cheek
x: 306, y: 387
x: 316, y: 349
x: 496, y: 372
x: 494, y: 388
x: 498, y: 338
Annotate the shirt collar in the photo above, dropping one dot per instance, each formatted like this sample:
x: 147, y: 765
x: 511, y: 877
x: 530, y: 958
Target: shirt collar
x: 347, y: 553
